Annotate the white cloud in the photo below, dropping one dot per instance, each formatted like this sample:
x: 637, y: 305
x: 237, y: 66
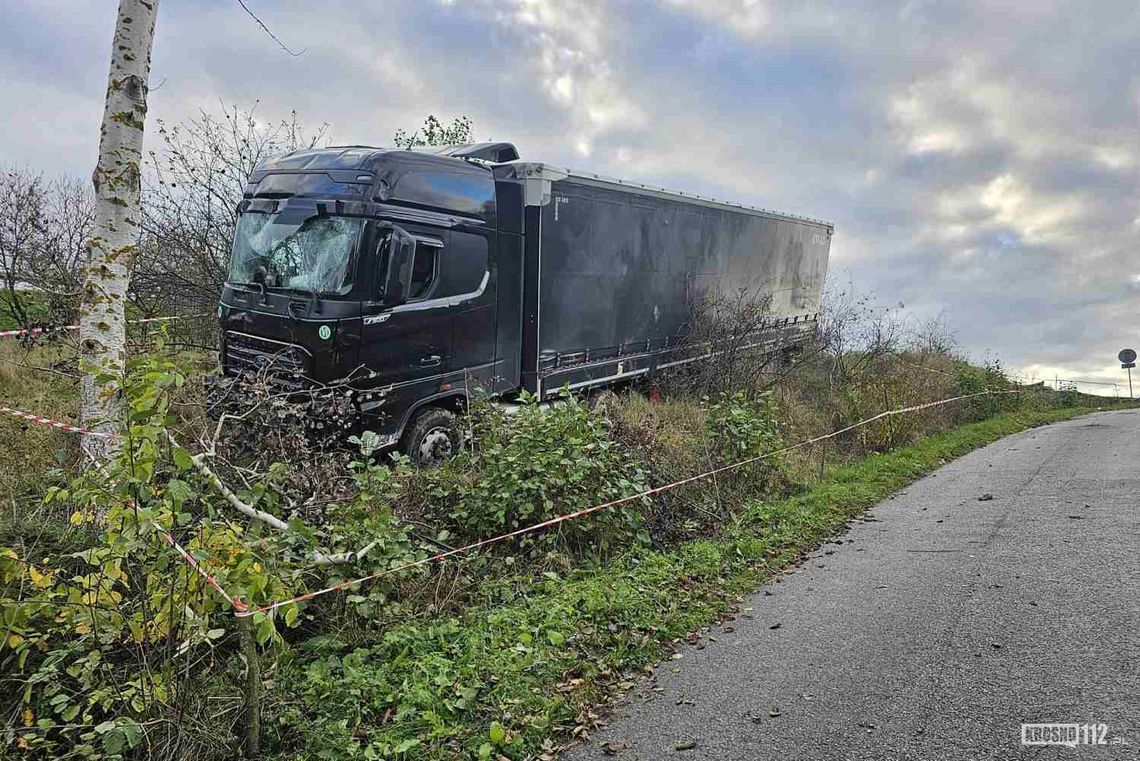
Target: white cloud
x: 1115, y: 157
x: 749, y: 18
x: 567, y: 45
x: 1036, y: 219
x: 921, y: 129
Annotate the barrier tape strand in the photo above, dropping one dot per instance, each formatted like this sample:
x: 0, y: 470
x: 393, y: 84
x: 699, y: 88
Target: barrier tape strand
x: 55, y: 423
x: 242, y: 610
x: 249, y: 611
x: 61, y: 328
x: 235, y: 603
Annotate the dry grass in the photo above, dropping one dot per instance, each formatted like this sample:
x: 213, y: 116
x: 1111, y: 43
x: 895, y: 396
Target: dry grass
x: 671, y: 438
x: 30, y: 450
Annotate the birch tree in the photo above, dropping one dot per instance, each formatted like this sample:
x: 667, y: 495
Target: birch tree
x: 102, y: 316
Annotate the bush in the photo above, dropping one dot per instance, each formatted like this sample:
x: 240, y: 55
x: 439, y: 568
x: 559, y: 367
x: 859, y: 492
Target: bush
x: 670, y: 437
x: 537, y: 464
x: 741, y: 428
x: 975, y: 379
x: 102, y: 620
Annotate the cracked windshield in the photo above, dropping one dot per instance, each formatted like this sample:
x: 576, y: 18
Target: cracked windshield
x: 314, y: 255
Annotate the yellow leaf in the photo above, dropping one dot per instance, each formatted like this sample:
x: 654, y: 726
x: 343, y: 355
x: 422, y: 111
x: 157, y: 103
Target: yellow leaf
x: 41, y: 580
x: 29, y: 717
x: 77, y: 518
x: 14, y: 639
x: 113, y: 571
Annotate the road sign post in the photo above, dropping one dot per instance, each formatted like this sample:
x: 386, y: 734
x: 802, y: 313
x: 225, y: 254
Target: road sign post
x: 1127, y: 359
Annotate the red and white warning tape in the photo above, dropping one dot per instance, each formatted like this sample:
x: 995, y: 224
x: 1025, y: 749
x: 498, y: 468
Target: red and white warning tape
x: 242, y: 610
x: 237, y: 605
x: 245, y: 611
x: 38, y: 331
x: 54, y: 423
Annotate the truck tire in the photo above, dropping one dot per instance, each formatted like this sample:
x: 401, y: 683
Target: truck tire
x: 431, y: 437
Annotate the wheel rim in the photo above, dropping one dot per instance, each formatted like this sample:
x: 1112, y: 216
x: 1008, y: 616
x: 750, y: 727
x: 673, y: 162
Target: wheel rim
x: 436, y: 445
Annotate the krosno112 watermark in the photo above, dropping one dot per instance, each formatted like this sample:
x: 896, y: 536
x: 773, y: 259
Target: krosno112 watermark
x: 1069, y: 735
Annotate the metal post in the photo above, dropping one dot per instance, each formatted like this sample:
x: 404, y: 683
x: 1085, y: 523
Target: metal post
x: 1130, y: 384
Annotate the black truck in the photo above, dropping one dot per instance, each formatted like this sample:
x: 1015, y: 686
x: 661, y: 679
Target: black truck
x: 410, y: 278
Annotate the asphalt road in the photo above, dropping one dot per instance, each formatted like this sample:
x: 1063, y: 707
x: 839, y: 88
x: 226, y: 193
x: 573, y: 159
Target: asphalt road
x: 934, y: 629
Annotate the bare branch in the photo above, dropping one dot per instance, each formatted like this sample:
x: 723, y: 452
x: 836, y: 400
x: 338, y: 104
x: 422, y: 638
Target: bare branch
x: 264, y: 28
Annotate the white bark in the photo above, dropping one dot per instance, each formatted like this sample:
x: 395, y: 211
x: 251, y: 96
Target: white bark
x: 102, y: 317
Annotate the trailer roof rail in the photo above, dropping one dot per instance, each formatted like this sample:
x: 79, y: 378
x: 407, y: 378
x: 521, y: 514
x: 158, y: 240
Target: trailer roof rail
x: 535, y: 170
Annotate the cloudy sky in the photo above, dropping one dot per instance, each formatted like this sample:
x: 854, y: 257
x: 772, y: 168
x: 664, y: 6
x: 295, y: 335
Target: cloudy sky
x: 979, y: 158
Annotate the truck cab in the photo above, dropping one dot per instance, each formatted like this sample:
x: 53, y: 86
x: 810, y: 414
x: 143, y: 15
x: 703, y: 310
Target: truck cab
x: 390, y: 275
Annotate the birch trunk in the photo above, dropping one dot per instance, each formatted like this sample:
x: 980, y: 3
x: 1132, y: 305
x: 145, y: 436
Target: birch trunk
x: 102, y: 315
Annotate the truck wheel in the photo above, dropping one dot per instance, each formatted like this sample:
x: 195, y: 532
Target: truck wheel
x: 432, y: 437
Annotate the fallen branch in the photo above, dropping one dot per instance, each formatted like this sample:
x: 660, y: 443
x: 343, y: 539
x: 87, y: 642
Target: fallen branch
x: 268, y: 519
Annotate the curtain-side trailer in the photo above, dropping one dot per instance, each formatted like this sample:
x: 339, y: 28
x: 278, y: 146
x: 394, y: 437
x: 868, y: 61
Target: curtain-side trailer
x: 410, y: 279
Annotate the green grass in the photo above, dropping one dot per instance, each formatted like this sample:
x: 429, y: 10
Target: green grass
x: 37, y: 309
x: 525, y: 663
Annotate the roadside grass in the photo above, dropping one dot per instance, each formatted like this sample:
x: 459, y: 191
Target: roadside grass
x: 522, y: 667
x: 31, y: 450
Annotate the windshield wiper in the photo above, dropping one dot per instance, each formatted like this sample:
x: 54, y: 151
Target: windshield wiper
x: 254, y: 285
x: 314, y: 299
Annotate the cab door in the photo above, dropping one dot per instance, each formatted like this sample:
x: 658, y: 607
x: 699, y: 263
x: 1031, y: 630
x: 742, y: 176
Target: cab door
x: 470, y: 280
x: 410, y: 343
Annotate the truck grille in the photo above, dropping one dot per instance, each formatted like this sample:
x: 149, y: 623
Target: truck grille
x: 284, y: 364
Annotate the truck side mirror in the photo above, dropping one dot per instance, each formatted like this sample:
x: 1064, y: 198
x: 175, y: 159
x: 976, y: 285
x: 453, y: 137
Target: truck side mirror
x: 397, y: 277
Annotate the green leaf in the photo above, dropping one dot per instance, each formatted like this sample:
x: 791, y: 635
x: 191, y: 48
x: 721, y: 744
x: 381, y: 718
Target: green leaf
x: 292, y: 616
x: 179, y: 491
x: 263, y: 628
x: 182, y: 459
x: 497, y: 733
x: 114, y: 741
x: 133, y: 733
